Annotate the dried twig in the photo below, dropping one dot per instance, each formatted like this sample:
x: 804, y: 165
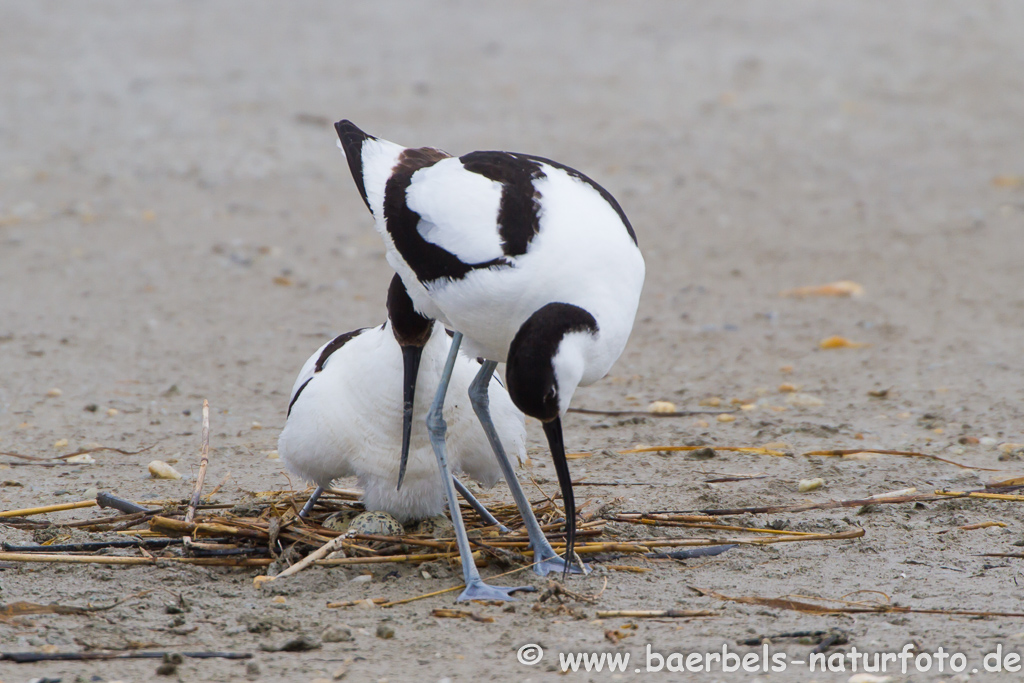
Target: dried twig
x: 655, y: 613
x: 811, y: 608
x: 907, y: 454
x: 29, y: 657
x: 737, y: 449
x: 204, y: 459
x: 647, y: 413
x: 48, y: 508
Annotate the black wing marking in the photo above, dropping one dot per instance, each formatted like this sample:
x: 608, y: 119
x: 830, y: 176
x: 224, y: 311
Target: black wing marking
x: 519, y: 211
x: 336, y: 344
x: 427, y: 260
x: 296, y: 396
x: 333, y: 346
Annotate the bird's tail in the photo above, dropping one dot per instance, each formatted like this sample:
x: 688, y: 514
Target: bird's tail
x: 371, y: 161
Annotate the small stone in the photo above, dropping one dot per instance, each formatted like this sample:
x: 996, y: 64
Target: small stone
x: 806, y: 485
x: 969, y: 440
x: 60, y: 443
x: 426, y: 575
x: 91, y: 407
x: 111, y: 412
x: 252, y: 670
x: 170, y: 664
x: 788, y: 388
x: 54, y: 393
x: 712, y: 402
x: 158, y: 469
x: 80, y: 459
x: 1010, y: 447
x: 386, y: 632
x: 726, y: 417
x: 363, y: 578
x: 804, y: 401
x: 987, y: 441
x: 337, y: 634
x: 703, y: 454
x: 91, y: 493
x: 298, y: 644
x: 273, y: 455
x: 661, y: 407
x: 340, y: 672
x: 256, y: 425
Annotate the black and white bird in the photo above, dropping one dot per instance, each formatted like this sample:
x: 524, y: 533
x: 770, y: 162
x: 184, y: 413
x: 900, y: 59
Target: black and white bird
x: 532, y: 263
x: 347, y: 417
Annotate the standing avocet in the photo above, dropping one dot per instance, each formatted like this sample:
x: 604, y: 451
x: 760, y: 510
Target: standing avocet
x: 346, y: 416
x: 531, y: 263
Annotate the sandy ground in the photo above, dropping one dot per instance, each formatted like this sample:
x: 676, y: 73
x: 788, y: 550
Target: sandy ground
x: 177, y: 224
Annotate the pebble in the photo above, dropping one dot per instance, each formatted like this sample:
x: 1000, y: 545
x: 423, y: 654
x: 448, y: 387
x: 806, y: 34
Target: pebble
x: 806, y: 485
x: 804, y: 401
x: 111, y: 412
x: 987, y: 441
x: 60, y: 443
x: 661, y: 407
x: 363, y: 578
x: 712, y: 402
x: 726, y: 417
x: 54, y: 393
x: 868, y: 678
x: 1010, y: 447
x: 837, y: 342
x: 170, y: 664
x: 80, y: 459
x: 273, y: 455
x: 297, y: 644
x: 787, y: 388
x: 702, y: 454
x: 386, y: 632
x: 252, y: 670
x: 337, y: 634
x: 158, y: 469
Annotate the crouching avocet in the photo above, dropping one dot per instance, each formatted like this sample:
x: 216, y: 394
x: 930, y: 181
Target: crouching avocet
x: 346, y: 416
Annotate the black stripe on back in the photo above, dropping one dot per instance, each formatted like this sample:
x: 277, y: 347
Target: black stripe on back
x: 519, y: 212
x: 333, y: 346
x: 605, y: 194
x: 427, y: 260
x: 296, y: 396
x: 336, y: 344
x: 352, y: 140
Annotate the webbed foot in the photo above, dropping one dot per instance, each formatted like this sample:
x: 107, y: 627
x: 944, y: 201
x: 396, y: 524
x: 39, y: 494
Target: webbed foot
x: 478, y: 590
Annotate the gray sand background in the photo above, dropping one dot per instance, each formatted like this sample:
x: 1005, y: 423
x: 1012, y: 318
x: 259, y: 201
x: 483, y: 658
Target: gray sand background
x: 177, y: 224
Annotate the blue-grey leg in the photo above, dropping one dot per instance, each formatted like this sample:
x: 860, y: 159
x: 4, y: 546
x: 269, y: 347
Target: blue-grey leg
x: 484, y: 513
x: 308, y: 507
x: 476, y: 589
x: 545, y: 559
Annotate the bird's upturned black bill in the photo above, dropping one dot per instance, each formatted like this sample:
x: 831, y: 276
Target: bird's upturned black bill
x: 411, y: 361
x: 553, y: 430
